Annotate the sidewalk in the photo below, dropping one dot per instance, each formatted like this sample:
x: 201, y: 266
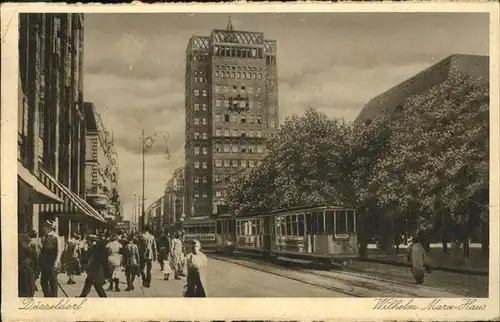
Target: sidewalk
x: 159, y: 287
x: 477, y: 264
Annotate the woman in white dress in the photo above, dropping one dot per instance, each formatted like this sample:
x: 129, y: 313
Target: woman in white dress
x: 114, y: 248
x: 196, y: 263
x: 177, y: 256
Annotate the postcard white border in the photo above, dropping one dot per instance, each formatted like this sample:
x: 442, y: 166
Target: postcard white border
x: 226, y: 308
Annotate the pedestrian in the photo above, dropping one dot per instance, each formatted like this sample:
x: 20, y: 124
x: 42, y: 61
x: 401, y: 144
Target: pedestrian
x: 114, y: 248
x: 36, y: 244
x: 71, y: 258
x: 196, y: 263
x: 95, y: 268
x: 27, y: 267
x: 84, y: 248
x: 50, y: 259
x: 131, y: 261
x: 177, y: 256
x: 148, y: 253
x: 418, y: 259
x: 164, y: 247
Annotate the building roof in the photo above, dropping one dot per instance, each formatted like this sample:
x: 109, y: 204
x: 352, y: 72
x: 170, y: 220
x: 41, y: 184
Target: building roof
x: 472, y: 65
x: 90, y: 116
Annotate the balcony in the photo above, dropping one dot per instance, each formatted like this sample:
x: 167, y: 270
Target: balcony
x: 98, y: 200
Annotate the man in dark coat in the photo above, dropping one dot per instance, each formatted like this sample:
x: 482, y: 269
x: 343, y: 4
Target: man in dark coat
x: 96, y: 267
x: 50, y: 260
x: 27, y: 267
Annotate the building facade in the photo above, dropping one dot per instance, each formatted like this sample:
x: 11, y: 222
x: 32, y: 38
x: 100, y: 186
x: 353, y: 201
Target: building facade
x: 173, y: 200
x: 51, y: 129
x: 154, y: 215
x: 101, y: 167
x: 231, y: 103
x: 393, y: 99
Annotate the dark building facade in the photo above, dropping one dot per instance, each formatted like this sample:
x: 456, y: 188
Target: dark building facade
x: 51, y: 129
x: 231, y: 104
x: 394, y: 98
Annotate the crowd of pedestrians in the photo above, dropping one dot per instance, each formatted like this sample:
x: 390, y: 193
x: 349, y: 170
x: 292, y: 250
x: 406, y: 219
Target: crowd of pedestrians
x: 107, y: 257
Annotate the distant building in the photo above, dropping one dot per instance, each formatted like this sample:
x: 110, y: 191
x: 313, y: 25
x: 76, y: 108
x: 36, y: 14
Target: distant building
x: 101, y: 167
x: 154, y: 214
x: 231, y: 103
x: 173, y: 199
x: 51, y: 125
x: 394, y: 98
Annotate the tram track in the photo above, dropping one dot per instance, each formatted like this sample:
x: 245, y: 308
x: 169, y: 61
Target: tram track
x: 364, y: 281
x: 350, y: 292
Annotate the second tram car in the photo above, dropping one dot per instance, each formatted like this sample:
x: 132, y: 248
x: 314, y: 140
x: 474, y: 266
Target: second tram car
x: 202, y: 229
x: 325, y: 233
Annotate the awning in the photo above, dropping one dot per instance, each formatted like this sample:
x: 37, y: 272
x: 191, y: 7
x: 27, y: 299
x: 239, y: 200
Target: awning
x: 72, y: 203
x: 44, y: 194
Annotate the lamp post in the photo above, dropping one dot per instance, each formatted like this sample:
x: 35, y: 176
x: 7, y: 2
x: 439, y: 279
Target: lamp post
x: 147, y: 143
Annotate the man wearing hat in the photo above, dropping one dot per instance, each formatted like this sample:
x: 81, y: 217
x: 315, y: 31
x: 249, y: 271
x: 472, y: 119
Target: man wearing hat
x: 96, y: 267
x: 50, y: 259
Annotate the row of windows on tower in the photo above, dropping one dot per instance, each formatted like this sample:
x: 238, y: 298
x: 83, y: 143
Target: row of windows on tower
x: 237, y: 75
x: 204, y: 93
x: 238, y: 52
x: 227, y: 148
x: 238, y: 89
x: 242, y: 104
x: 228, y: 164
x: 236, y: 118
x: 204, y: 107
x: 239, y: 133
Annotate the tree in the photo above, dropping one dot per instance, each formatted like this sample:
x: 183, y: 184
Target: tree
x: 438, y: 160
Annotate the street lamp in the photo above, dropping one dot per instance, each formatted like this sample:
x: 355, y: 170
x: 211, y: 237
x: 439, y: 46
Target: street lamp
x: 147, y: 143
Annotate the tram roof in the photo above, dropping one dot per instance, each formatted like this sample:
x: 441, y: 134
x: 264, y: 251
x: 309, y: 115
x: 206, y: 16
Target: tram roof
x: 313, y: 206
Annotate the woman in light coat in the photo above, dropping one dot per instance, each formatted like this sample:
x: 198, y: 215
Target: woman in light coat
x: 416, y: 256
x: 196, y: 263
x: 177, y: 256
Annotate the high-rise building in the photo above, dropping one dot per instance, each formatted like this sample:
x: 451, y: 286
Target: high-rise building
x: 231, y: 103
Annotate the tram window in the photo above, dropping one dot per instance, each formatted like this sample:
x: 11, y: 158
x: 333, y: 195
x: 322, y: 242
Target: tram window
x: 340, y: 222
x: 350, y: 221
x: 301, y: 225
x: 329, y: 217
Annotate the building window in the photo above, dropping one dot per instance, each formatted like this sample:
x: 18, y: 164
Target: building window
x: 204, y: 179
x: 272, y: 110
x: 260, y: 149
x: 259, y: 104
x: 258, y: 119
x: 243, y: 119
x: 218, y: 194
x: 235, y: 148
x: 218, y: 103
x: 196, y: 106
x: 196, y: 195
x: 218, y: 132
x: 250, y: 89
x: 235, y: 132
x: 243, y: 89
x: 243, y: 149
x: 260, y: 76
x: 205, y: 165
x: 273, y: 124
x: 243, y: 163
x: 205, y: 135
x: 227, y: 148
x: 217, y: 88
x: 226, y: 118
x: 196, y: 150
x: 205, y: 195
x: 226, y: 103
x: 232, y: 74
x: 204, y: 121
x: 226, y: 164
x: 196, y: 180
x: 234, y: 118
x: 205, y: 151
x: 227, y: 75
x: 250, y: 104
x: 254, y: 75
x: 238, y: 75
x: 251, y: 133
x: 205, y: 93
x: 259, y: 90
x: 251, y: 164
x: 250, y: 119
x: 196, y: 121
x: 226, y: 133
x: 196, y: 92
x: 259, y: 133
x: 204, y: 107
x: 251, y: 149
x: 196, y: 135
x: 217, y: 118
x: 218, y: 163
x: 218, y: 148
x: 259, y: 163
x: 235, y: 89
x: 243, y: 133
x: 226, y: 89
x: 235, y: 163
x: 217, y: 179
x: 217, y: 74
x: 196, y: 165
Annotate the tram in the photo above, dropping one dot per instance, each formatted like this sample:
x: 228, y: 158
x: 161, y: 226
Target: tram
x: 321, y: 232
x: 202, y: 229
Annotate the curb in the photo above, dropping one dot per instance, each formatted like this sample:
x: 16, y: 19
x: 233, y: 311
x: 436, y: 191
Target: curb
x: 437, y: 268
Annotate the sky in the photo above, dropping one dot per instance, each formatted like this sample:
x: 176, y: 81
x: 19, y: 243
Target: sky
x: 134, y: 68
